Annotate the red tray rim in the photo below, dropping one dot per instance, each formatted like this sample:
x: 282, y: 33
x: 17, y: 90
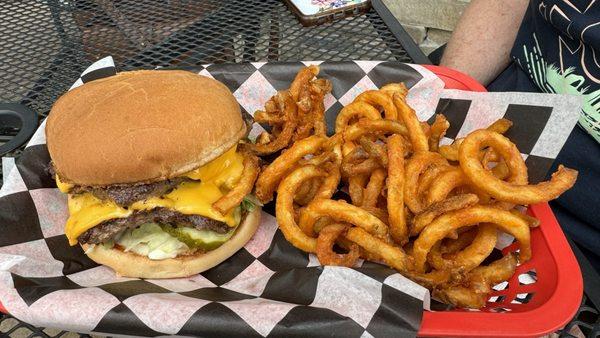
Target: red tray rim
x: 558, y: 308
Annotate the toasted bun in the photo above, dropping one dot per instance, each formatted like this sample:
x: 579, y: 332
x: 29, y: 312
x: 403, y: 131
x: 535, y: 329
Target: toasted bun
x: 141, y: 126
x: 129, y: 264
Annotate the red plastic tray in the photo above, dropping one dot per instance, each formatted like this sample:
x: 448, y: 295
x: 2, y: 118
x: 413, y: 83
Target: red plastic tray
x: 553, y: 298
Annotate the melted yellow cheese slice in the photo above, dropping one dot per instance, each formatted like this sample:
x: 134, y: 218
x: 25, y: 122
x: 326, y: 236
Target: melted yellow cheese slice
x: 224, y: 171
x: 63, y: 186
x: 191, y: 198
x: 86, y: 211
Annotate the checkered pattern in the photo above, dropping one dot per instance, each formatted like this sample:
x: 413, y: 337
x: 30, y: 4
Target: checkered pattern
x: 268, y: 288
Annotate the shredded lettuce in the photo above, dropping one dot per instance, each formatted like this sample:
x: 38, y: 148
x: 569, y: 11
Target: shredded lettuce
x: 250, y: 202
x: 161, y: 242
x: 109, y: 244
x: 150, y: 240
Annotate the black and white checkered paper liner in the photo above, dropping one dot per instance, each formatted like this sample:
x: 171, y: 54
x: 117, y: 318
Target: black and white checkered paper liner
x: 268, y: 288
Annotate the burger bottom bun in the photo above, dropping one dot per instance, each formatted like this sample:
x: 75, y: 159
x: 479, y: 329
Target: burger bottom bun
x: 129, y: 264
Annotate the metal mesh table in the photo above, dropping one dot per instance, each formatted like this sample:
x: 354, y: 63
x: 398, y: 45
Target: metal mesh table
x: 46, y: 44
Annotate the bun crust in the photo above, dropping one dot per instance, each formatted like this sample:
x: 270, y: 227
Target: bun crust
x: 141, y: 126
x: 129, y: 264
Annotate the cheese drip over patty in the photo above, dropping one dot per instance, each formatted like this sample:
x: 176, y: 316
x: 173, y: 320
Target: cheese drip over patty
x: 211, y: 182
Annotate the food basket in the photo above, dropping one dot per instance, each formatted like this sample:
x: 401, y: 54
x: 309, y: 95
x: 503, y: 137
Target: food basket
x: 541, y: 297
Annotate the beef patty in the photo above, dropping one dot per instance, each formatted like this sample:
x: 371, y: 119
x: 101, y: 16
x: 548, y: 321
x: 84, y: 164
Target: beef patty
x: 126, y: 194
x: 107, y: 230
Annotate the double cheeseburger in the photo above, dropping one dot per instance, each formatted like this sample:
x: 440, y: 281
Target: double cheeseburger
x: 143, y: 157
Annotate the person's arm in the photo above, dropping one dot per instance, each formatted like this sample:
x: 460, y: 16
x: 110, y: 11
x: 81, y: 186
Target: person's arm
x: 481, y: 43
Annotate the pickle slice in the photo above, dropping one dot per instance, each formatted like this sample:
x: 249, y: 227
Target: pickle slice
x: 205, y: 240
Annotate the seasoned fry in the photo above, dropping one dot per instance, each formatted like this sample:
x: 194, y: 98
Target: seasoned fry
x: 396, y: 189
x: 377, y: 127
x: 415, y: 132
x: 311, y: 108
x: 438, y: 130
x: 414, y: 168
x: 376, y: 151
x: 354, y: 112
x: 500, y: 126
x: 284, y: 207
x: 484, y: 277
x: 480, y: 282
x: 327, y: 238
x: 303, y: 191
x: 445, y: 183
x: 464, y: 239
x: 373, y: 189
x: 532, y: 221
x: 363, y: 168
x: 321, y: 223
x: 355, y: 155
x: 301, y: 81
x: 294, y: 114
x: 274, y: 172
x: 262, y: 116
x: 432, y: 279
x: 288, y: 107
x: 234, y: 197
x: 318, y: 160
x: 330, y: 183
x: 379, y: 99
x: 515, y: 189
x: 307, y: 191
x: 469, y: 258
x: 450, y: 151
x: 391, y: 255
x: 358, y: 162
x: 342, y: 212
x: 263, y: 138
x: 379, y: 213
x: 460, y: 296
x: 393, y: 88
x: 447, y: 222
x: 318, y: 88
x: 434, y: 210
x: 427, y: 179
x: 356, y: 186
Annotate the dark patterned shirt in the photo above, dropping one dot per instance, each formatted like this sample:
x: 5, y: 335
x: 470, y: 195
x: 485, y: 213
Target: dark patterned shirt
x: 558, y: 46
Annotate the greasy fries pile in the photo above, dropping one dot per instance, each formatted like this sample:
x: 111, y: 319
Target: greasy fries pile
x: 431, y: 212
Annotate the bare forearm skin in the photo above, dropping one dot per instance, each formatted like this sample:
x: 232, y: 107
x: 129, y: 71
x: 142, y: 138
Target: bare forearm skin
x: 481, y: 43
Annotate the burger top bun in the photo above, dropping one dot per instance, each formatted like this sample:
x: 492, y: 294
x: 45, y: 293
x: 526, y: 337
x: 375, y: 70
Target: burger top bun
x: 141, y: 126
